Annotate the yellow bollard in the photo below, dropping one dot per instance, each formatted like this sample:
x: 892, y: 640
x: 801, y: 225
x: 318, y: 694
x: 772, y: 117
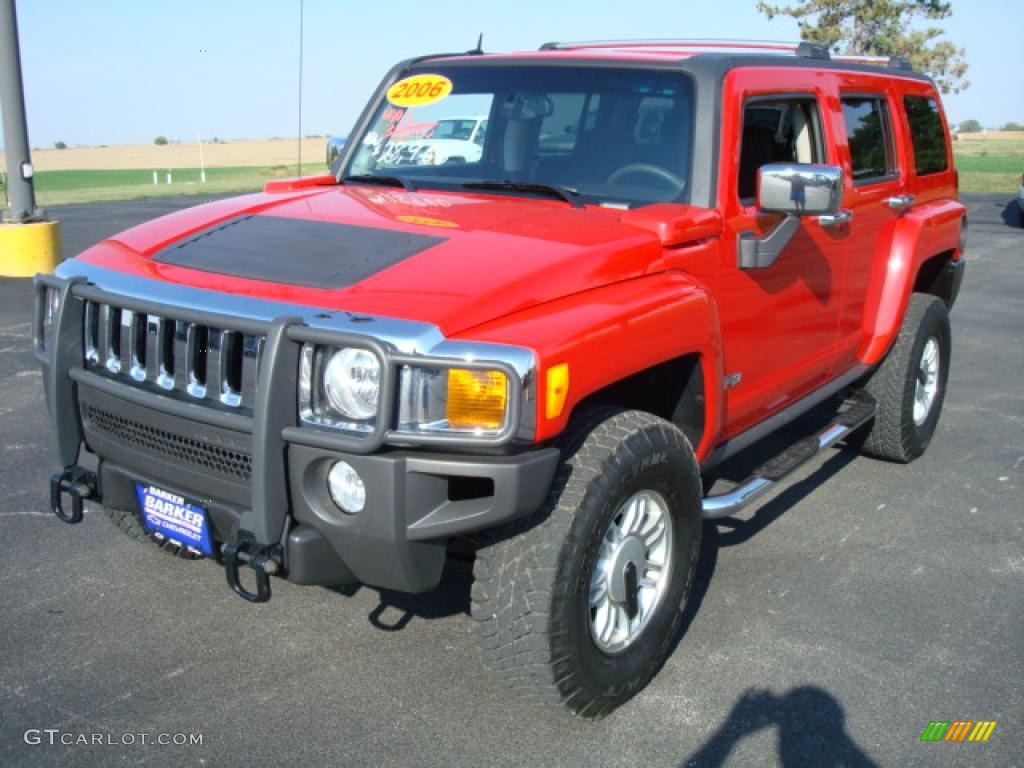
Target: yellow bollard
x: 26, y: 249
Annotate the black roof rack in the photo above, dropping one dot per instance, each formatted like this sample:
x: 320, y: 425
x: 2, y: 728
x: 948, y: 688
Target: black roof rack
x: 803, y: 49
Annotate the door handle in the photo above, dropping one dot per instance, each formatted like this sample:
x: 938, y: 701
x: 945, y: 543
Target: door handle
x: 899, y: 202
x: 835, y: 219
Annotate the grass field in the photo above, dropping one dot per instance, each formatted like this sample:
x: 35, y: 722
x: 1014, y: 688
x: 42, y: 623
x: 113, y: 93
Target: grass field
x: 229, y: 154
x: 81, y: 186
x: 125, y: 172
x: 990, y: 163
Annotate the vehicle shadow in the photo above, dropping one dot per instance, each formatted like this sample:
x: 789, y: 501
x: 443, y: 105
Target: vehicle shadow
x: 739, y: 531
x: 811, y: 730
x: 1013, y: 215
x: 395, y: 610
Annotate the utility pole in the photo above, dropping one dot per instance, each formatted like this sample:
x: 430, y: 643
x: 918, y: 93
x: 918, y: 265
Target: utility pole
x: 28, y: 243
x: 301, y: 30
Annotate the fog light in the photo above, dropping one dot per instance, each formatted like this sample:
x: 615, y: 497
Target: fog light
x: 346, y: 487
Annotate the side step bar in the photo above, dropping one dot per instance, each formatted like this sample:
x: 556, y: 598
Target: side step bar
x: 856, y: 411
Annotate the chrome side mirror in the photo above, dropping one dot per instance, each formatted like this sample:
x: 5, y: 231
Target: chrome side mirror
x: 800, y: 190
x: 793, y: 189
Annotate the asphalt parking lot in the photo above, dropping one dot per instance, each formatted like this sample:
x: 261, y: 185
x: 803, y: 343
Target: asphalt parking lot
x: 830, y: 623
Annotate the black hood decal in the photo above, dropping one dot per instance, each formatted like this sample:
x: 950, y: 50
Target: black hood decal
x: 315, y: 254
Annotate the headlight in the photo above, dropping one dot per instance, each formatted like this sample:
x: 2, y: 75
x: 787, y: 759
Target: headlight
x: 339, y: 387
x: 453, y: 401
x: 352, y: 383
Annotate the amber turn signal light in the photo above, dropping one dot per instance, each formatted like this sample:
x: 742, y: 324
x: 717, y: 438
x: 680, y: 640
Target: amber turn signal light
x: 557, y: 391
x: 477, y: 399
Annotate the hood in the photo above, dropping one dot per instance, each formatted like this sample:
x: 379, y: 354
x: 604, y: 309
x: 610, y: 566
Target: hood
x: 450, y: 259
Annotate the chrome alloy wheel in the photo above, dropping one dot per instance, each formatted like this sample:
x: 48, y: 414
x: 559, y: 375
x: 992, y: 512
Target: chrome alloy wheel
x: 632, y: 572
x: 927, y: 381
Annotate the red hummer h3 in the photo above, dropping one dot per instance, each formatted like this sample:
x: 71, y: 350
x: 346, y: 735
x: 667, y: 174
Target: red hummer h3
x: 539, y: 299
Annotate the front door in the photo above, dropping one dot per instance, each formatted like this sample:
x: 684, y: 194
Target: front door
x: 779, y: 323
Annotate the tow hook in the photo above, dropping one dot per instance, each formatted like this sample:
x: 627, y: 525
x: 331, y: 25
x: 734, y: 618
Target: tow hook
x: 263, y: 559
x: 79, y: 484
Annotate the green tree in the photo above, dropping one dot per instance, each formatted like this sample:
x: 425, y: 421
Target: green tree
x: 1011, y: 126
x: 881, y: 28
x: 970, y: 126
x: 161, y: 140
x: 60, y: 145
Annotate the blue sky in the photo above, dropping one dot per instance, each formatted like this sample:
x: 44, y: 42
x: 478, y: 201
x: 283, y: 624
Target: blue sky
x: 120, y: 71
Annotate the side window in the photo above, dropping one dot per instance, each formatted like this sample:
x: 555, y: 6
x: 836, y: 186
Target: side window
x: 927, y: 134
x: 869, y: 133
x: 777, y: 131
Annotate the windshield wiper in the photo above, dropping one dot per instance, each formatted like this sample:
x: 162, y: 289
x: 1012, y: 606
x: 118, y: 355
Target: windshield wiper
x: 389, y: 181
x: 571, y: 196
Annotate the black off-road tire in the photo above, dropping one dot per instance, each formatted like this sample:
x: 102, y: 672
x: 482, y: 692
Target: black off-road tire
x: 894, y: 436
x: 531, y: 579
x: 129, y: 522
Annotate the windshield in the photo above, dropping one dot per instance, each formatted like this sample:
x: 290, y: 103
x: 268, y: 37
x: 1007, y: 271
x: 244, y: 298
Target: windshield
x: 615, y: 137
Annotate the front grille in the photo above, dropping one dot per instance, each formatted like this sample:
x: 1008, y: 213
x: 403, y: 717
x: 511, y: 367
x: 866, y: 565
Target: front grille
x: 230, y: 463
x: 216, y: 366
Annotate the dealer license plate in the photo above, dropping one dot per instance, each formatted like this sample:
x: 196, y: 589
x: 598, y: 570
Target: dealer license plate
x: 173, y: 517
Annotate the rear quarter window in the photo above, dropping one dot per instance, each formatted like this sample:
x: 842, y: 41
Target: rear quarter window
x: 927, y: 135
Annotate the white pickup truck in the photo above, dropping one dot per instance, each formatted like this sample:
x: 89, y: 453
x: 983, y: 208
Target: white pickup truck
x: 451, y: 140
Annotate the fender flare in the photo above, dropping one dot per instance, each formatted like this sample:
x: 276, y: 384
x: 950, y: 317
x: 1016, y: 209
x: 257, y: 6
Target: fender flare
x: 609, y: 333
x: 915, y: 237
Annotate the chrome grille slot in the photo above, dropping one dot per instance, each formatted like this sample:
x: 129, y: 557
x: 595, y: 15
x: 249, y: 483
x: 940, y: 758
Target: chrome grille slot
x: 212, y: 360
x: 229, y: 367
x: 137, y: 346
x: 181, y: 356
x: 165, y: 378
x: 110, y: 338
x: 126, y: 346
x: 197, y: 349
x: 92, y: 332
x: 215, y: 366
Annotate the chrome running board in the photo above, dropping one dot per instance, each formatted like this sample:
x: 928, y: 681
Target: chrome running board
x: 857, y: 411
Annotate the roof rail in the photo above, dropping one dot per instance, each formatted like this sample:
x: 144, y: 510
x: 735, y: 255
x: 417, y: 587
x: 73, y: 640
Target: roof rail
x: 893, y: 62
x: 803, y: 48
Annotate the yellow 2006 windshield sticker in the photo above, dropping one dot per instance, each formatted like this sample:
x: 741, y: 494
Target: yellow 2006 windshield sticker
x: 419, y: 90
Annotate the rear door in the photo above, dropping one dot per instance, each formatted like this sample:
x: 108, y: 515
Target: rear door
x: 876, y: 193
x: 779, y: 323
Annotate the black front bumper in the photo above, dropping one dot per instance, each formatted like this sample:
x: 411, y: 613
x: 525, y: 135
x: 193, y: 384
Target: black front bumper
x: 415, y: 502
x: 265, y: 479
